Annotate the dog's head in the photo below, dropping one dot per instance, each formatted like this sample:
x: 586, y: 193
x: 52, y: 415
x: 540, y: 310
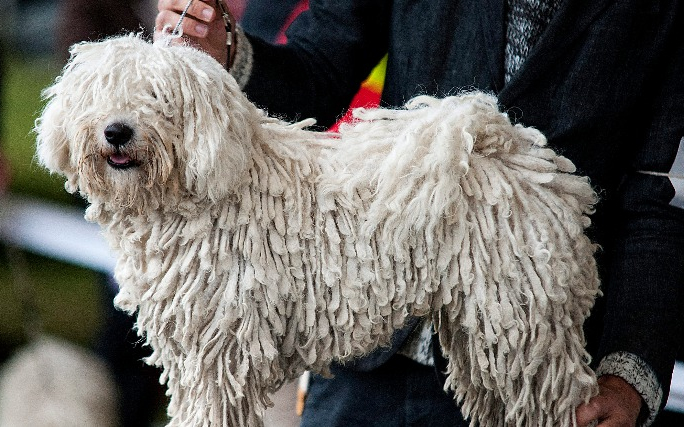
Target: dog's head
x: 128, y: 122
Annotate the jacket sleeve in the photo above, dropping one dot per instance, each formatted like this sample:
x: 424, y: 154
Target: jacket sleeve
x: 331, y: 49
x: 645, y: 287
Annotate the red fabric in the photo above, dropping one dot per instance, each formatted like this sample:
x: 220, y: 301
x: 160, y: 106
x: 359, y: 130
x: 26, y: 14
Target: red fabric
x: 301, y: 7
x: 365, y: 97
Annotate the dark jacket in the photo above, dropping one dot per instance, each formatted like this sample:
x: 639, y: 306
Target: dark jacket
x: 605, y: 83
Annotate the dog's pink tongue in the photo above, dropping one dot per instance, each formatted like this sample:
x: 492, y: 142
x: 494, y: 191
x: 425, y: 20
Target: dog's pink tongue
x: 119, y: 159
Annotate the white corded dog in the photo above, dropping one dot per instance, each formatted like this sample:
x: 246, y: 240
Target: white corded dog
x: 253, y: 249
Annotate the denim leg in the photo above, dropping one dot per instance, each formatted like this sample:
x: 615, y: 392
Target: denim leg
x: 400, y: 393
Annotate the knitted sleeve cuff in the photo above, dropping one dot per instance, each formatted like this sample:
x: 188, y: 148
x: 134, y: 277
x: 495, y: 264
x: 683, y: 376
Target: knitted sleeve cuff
x: 242, y: 66
x: 639, y: 375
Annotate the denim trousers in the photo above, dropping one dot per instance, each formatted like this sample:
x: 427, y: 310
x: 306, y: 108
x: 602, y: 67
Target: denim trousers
x: 399, y: 393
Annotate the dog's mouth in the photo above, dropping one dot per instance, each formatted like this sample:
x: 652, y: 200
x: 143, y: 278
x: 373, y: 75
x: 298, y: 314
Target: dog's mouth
x: 120, y: 160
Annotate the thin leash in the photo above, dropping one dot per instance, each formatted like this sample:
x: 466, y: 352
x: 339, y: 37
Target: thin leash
x: 228, y: 24
x: 178, y: 31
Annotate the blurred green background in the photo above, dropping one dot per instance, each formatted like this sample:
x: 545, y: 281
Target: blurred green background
x: 67, y: 297
x: 70, y: 302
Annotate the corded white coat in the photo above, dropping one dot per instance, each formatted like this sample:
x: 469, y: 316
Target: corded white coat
x: 254, y: 249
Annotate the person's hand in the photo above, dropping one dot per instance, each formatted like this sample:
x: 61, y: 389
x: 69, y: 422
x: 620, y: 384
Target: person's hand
x: 203, y: 25
x: 617, y: 405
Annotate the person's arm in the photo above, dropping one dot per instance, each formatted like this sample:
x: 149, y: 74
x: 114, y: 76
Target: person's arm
x: 331, y: 49
x: 266, y: 18
x: 645, y: 287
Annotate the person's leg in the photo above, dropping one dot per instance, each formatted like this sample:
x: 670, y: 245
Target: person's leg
x: 140, y: 394
x: 399, y: 393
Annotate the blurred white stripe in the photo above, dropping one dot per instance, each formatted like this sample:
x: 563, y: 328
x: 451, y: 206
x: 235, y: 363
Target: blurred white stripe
x: 54, y: 231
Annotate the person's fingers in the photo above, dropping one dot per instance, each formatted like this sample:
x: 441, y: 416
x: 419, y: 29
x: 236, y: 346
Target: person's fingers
x: 202, y: 26
x: 167, y: 20
x: 617, y: 405
x: 202, y: 10
x: 199, y: 16
x: 588, y: 413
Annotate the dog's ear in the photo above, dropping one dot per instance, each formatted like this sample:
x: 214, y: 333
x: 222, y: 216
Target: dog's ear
x: 218, y: 125
x: 52, y: 144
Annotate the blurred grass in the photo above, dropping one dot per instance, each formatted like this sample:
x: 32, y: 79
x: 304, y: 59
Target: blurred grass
x: 23, y: 84
x: 67, y: 297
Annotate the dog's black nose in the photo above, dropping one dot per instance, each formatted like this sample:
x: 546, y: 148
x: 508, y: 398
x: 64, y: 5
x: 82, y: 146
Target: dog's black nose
x: 118, y: 133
